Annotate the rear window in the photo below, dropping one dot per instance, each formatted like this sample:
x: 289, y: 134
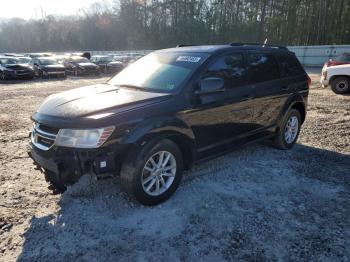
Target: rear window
x: 262, y: 67
x: 290, y: 66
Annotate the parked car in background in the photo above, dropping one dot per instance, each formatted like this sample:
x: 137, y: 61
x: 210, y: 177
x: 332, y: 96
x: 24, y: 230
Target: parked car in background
x: 125, y: 59
x: 107, y: 64
x: 338, y: 77
x: 168, y: 110
x: 135, y: 58
x: 77, y: 66
x: 47, y: 67
x: 13, y: 54
x: 82, y: 54
x: 60, y: 58
x: 339, y: 60
x: 24, y: 60
x: 36, y: 55
x: 11, y: 68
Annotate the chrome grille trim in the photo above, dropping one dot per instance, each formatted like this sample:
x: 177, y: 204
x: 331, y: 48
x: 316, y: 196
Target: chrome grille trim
x: 38, y: 134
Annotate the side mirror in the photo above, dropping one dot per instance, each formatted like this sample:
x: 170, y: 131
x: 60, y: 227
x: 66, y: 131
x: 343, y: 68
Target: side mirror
x: 210, y: 85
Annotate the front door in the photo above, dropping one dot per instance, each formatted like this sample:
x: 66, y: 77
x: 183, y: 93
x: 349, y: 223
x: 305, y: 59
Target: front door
x: 220, y: 117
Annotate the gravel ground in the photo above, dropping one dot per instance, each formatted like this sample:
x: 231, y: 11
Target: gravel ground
x: 254, y: 204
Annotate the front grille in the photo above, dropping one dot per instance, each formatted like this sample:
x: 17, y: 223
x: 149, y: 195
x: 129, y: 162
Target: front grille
x: 43, y: 136
x: 48, y: 129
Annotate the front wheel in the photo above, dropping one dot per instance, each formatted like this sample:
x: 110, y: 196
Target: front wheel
x: 340, y: 85
x: 55, y: 184
x: 2, y: 76
x: 289, y: 130
x: 154, y: 173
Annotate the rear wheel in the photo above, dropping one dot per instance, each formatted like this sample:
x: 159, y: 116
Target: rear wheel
x: 340, y: 85
x: 155, y: 174
x: 289, y: 130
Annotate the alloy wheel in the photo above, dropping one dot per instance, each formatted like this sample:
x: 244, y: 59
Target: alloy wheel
x: 158, y: 173
x: 291, y: 129
x: 342, y: 85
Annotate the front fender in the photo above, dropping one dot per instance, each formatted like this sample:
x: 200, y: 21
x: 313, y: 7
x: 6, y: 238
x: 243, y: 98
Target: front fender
x: 156, y: 125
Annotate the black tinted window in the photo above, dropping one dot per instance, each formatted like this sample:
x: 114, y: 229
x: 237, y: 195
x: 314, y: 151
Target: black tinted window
x: 262, y: 67
x: 289, y: 65
x: 230, y: 68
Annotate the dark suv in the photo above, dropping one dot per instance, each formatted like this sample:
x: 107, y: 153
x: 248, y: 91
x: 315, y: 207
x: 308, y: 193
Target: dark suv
x: 167, y: 111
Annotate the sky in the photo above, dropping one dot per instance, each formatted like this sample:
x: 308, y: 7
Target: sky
x: 28, y: 9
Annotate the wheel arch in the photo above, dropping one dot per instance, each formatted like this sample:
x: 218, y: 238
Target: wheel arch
x: 302, y: 110
x: 294, y: 102
x: 150, y: 132
x: 334, y: 77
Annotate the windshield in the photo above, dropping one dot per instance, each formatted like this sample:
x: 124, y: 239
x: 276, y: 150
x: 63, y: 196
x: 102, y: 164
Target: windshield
x: 160, y: 71
x: 7, y: 61
x: 48, y: 61
x: 24, y: 60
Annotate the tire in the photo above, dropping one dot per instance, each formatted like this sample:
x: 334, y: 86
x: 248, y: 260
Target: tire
x: 2, y: 76
x: 54, y: 184
x: 40, y: 74
x: 286, y: 141
x: 138, y: 169
x: 340, y: 85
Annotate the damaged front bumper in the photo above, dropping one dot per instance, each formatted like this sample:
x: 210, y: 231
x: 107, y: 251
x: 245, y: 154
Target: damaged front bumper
x: 67, y: 165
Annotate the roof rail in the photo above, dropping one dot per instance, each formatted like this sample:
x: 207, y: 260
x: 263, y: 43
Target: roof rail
x: 185, y: 45
x: 259, y: 44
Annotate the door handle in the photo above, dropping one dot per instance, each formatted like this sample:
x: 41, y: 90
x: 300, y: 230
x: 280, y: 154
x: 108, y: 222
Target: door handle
x: 285, y: 88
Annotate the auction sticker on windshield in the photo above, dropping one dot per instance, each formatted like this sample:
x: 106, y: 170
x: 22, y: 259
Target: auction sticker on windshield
x: 192, y: 59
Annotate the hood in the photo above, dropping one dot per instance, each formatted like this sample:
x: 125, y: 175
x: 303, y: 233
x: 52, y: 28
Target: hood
x: 87, y: 64
x: 17, y: 66
x: 94, y: 100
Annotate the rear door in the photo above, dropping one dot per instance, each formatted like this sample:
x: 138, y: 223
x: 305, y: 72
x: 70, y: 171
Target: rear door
x: 270, y: 92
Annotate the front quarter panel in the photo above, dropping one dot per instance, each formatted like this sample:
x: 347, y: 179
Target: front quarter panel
x: 153, y: 126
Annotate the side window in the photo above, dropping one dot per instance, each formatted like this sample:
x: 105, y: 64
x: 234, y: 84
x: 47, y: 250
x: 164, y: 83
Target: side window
x: 230, y: 68
x: 262, y: 67
x: 289, y: 65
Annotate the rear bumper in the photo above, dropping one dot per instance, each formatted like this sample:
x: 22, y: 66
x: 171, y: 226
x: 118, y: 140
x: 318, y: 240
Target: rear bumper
x: 69, y: 164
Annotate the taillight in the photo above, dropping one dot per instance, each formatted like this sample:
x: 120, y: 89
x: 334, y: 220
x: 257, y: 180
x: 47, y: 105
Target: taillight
x: 309, y: 81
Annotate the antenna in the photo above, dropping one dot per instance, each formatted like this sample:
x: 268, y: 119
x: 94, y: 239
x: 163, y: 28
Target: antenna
x: 265, y: 42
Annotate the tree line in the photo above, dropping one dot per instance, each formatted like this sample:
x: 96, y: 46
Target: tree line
x: 153, y: 24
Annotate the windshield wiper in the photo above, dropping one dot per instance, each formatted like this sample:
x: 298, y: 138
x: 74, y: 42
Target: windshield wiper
x: 132, y: 86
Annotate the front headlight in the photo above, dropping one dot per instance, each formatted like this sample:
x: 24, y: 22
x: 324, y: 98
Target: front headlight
x: 84, y: 138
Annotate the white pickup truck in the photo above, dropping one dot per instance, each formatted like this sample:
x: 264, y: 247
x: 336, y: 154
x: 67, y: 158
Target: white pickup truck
x: 338, y: 77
